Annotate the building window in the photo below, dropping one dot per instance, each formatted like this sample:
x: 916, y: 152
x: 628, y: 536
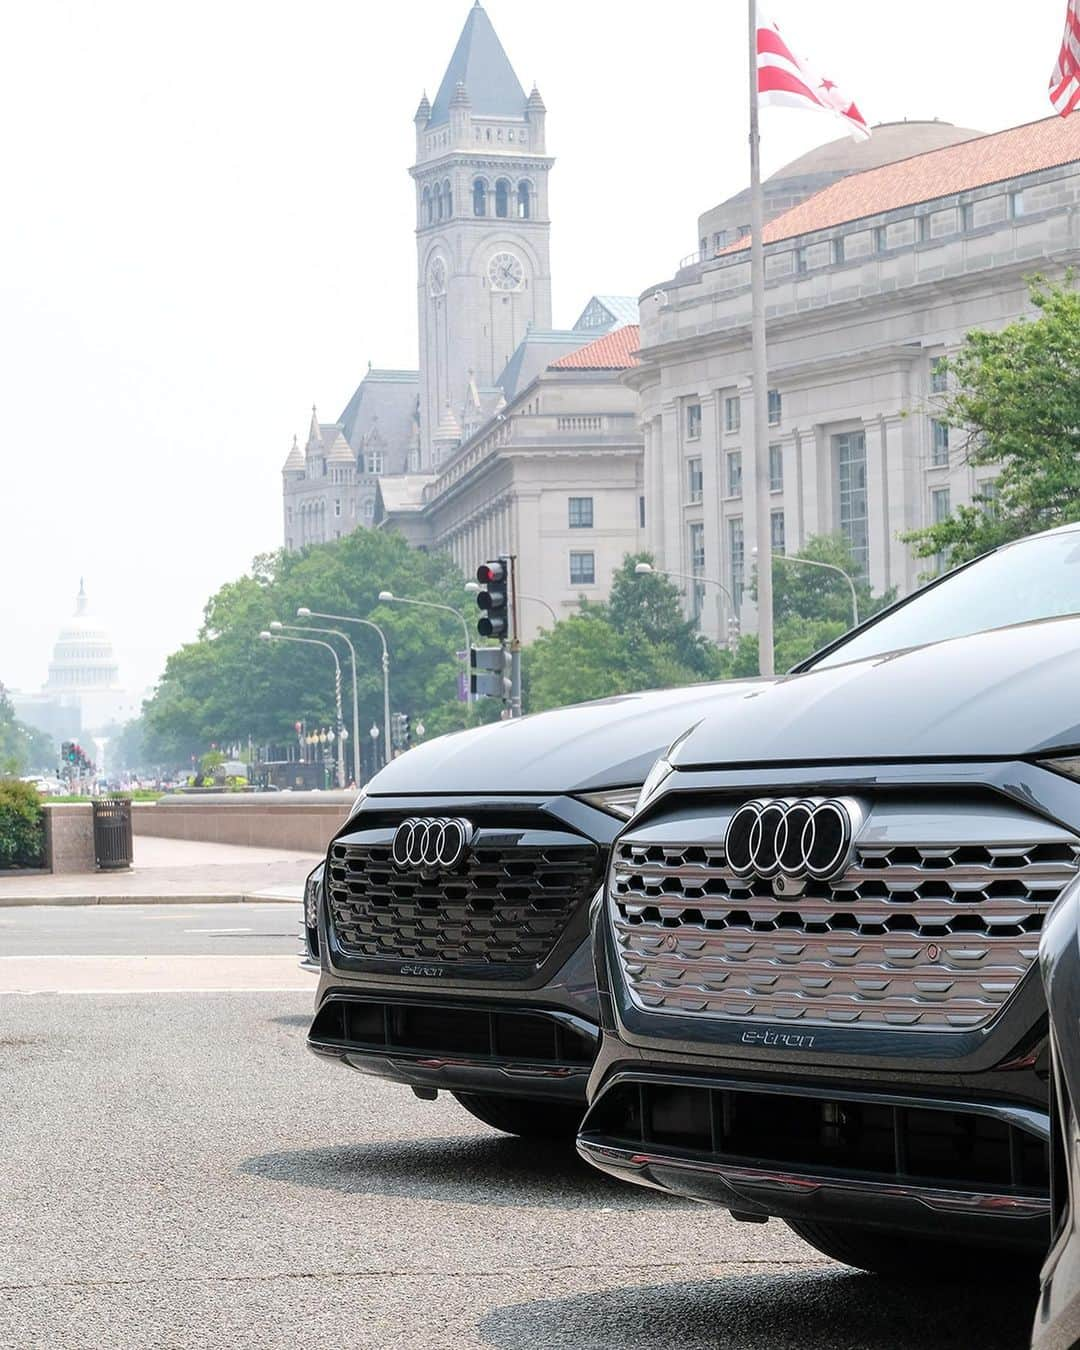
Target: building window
x: 734, y: 473
x: 369, y: 509
x: 376, y: 461
x: 428, y: 210
x: 940, y: 509
x: 448, y: 199
x: 479, y: 198
x: 775, y: 408
x: 641, y: 513
x: 939, y: 380
x: 736, y: 560
x: 776, y: 532
x: 337, y: 506
x: 850, y: 451
x: 939, y: 443
x: 695, y: 483
x: 776, y: 468
x: 732, y: 414
x: 502, y: 199
x: 693, y: 421
x: 986, y: 495
x: 581, y: 513
x: 582, y: 569
x: 524, y: 201
x: 697, y: 567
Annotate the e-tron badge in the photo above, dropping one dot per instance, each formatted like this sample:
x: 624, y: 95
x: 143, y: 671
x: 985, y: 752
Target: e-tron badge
x: 794, y: 841
x: 431, y: 843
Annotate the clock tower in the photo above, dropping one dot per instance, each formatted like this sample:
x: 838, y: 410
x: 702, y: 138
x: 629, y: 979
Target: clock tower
x: 482, y: 234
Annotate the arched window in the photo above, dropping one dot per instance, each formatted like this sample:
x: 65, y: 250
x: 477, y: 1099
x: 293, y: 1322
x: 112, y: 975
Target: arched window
x: 524, y: 202
x: 427, y: 211
x: 438, y: 202
x: 448, y: 199
x: 502, y: 198
x: 479, y: 198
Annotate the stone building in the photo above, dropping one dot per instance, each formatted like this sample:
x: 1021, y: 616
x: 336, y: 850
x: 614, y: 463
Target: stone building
x: 869, y: 283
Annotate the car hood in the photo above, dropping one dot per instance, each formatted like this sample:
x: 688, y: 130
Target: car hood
x: 1003, y: 694
x: 611, y: 742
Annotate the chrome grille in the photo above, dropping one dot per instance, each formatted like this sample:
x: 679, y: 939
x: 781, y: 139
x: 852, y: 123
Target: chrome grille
x: 505, y: 905
x: 921, y: 931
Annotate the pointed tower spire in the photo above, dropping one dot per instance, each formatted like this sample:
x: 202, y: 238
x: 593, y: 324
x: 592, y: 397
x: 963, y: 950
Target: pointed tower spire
x: 295, y: 461
x: 423, y: 111
x: 81, y: 602
x: 314, y: 437
x: 480, y: 64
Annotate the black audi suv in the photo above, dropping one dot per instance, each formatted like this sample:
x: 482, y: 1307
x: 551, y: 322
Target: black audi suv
x: 450, y: 919
x: 816, y: 952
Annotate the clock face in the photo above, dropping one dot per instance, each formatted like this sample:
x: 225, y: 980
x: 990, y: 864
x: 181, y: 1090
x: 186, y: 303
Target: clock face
x: 437, y: 277
x: 506, y: 273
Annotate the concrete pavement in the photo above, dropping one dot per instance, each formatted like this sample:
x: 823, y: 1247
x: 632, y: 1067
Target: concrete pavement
x: 176, y: 1171
x: 170, y: 870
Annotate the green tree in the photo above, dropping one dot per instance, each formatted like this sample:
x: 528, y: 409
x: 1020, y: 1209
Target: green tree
x: 637, y: 640
x: 1015, y: 399
x: 227, y: 685
x: 23, y: 749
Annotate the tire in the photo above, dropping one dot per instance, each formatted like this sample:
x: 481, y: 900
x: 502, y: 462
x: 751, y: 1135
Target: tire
x: 905, y: 1256
x: 518, y: 1115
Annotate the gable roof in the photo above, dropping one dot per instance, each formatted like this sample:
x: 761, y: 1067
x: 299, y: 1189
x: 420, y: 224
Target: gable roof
x: 482, y: 66
x: 938, y: 173
x: 614, y: 351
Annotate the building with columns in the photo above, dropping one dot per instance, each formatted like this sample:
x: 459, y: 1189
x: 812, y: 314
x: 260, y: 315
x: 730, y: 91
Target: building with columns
x: 870, y: 281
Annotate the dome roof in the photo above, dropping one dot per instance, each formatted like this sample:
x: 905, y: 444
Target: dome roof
x: 83, y: 657
x: 889, y: 142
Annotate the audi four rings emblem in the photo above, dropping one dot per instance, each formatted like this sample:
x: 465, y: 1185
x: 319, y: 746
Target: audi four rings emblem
x: 431, y: 842
x: 797, y: 839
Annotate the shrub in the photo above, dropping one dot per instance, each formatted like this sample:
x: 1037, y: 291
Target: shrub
x: 22, y: 830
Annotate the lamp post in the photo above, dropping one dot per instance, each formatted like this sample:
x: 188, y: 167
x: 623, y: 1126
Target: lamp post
x: 304, y: 613
x: 828, y: 567
x: 389, y: 598
x: 317, y: 642
x: 374, y: 734
x: 644, y: 569
x: 277, y: 626
x: 473, y: 587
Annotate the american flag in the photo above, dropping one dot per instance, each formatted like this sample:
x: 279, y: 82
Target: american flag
x: 1065, y: 81
x: 786, y: 80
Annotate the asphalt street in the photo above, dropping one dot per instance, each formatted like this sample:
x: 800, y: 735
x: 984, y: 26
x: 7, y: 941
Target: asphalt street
x: 177, y: 1171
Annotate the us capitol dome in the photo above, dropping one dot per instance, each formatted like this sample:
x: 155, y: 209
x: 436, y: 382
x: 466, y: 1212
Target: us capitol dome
x: 83, y: 660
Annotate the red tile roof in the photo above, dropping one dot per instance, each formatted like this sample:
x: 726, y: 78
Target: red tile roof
x: 938, y: 173
x: 614, y: 351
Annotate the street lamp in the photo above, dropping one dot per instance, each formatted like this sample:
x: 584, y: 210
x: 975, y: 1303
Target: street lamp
x: 828, y: 567
x: 277, y: 626
x: 644, y: 569
x: 389, y: 598
x: 304, y: 613
x: 474, y: 588
x: 317, y: 642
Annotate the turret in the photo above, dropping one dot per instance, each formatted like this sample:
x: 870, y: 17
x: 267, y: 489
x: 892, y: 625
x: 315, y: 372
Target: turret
x: 295, y: 461
x: 460, y: 116
x: 422, y: 118
x: 536, y: 114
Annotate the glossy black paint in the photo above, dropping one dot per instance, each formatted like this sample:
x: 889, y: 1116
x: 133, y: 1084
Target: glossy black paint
x: 1057, y: 1320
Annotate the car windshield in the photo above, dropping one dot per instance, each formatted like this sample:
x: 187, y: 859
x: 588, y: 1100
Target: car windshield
x: 1034, y: 579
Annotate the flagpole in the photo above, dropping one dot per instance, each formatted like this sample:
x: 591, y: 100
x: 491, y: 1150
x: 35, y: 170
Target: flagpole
x: 762, y: 533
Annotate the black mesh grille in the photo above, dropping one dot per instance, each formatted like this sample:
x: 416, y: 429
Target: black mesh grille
x: 505, y: 905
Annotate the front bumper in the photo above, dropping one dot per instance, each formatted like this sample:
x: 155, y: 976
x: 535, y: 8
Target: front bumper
x: 466, y: 1025
x: 931, y: 1131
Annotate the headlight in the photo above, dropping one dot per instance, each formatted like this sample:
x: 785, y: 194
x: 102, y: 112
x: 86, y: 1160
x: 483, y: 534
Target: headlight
x: 311, y: 897
x: 658, y: 774
x: 619, y: 802
x: 1069, y: 766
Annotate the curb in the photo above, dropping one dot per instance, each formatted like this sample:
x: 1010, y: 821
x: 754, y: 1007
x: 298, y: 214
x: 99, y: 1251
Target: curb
x: 71, y: 901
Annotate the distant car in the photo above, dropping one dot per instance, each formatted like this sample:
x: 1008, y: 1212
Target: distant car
x: 451, y: 919
x: 817, y: 951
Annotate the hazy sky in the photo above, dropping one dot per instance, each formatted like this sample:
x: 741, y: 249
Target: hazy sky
x: 208, y: 224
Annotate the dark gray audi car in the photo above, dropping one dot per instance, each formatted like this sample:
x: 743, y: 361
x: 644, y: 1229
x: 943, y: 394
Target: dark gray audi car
x: 450, y: 920
x: 817, y: 950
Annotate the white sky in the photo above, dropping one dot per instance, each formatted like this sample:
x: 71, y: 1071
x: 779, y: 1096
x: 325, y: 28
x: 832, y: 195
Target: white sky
x: 208, y: 224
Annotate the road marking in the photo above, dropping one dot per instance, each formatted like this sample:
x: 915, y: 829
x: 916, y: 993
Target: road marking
x: 153, y: 974
x: 219, y: 930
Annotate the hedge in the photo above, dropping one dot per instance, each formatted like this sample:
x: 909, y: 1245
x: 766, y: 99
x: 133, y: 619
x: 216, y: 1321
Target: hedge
x: 22, y: 829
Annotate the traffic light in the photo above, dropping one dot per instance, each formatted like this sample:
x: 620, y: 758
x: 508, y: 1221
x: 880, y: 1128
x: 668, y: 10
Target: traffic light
x: 491, y: 673
x: 400, y: 731
x: 67, y: 752
x: 494, y: 600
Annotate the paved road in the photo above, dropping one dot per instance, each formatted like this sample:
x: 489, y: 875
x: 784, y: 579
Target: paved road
x: 175, y: 1171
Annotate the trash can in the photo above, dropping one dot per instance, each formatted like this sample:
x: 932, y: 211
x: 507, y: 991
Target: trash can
x: 112, y: 833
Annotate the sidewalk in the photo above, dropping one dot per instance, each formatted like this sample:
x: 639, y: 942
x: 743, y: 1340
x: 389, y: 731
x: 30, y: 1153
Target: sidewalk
x: 173, y: 871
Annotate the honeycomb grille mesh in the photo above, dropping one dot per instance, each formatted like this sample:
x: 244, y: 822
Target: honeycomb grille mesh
x: 926, y: 936
x: 506, y: 905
